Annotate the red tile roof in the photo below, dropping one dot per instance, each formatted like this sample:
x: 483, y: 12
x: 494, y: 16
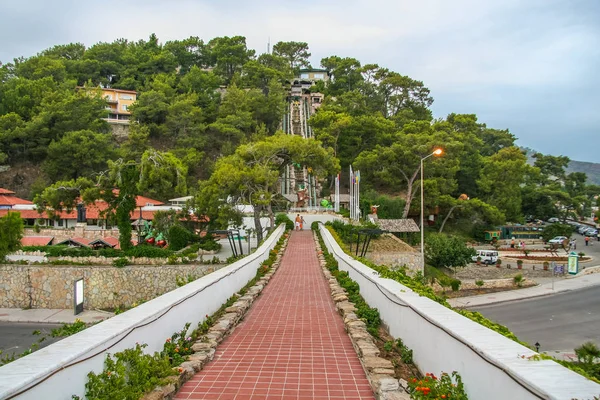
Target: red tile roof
x: 80, y: 241
x: 142, y: 201
x: 36, y: 240
x: 6, y: 191
x: 9, y: 200
x: 25, y: 214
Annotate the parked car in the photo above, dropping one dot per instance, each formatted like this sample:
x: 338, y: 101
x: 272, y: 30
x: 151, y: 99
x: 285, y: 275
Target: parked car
x: 557, y: 240
x: 591, y: 232
x: 583, y: 228
x: 553, y: 220
x: 486, y: 256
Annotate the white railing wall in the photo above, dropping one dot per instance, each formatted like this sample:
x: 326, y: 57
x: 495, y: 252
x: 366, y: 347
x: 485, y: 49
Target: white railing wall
x: 491, y: 365
x: 59, y: 370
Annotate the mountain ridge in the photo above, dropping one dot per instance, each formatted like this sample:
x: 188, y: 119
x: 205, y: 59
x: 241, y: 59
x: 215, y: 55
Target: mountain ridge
x: 592, y: 170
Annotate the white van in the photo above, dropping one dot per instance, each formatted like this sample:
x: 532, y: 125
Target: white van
x: 487, y: 256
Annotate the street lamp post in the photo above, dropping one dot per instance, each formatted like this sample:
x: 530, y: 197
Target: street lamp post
x: 436, y: 152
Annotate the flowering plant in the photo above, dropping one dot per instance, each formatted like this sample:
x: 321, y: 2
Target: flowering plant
x: 179, y: 346
x: 432, y: 387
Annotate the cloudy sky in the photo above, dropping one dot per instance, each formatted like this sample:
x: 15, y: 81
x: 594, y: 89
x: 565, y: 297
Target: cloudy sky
x: 532, y: 66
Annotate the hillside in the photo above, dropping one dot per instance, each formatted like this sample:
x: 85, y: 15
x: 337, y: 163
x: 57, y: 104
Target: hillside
x: 592, y: 170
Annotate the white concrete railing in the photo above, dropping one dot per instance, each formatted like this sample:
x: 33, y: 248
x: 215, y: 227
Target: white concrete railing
x: 59, y: 370
x: 490, y: 364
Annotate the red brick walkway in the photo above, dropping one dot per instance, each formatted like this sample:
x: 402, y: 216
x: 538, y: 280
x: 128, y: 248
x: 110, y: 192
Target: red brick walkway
x: 290, y: 345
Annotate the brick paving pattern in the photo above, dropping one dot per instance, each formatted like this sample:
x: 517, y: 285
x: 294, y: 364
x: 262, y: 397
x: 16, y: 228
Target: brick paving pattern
x: 291, y: 344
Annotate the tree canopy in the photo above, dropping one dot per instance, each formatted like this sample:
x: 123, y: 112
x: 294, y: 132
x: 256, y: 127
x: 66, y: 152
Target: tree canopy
x: 212, y: 109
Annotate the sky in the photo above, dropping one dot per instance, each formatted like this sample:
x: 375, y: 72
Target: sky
x: 530, y: 66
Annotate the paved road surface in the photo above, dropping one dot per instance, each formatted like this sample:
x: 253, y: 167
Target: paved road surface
x: 560, y: 322
x: 15, y: 338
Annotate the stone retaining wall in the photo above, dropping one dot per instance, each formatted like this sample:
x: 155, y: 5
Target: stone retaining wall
x: 506, y: 283
x: 23, y: 286
x: 78, y: 231
x: 413, y: 261
x: 95, y: 260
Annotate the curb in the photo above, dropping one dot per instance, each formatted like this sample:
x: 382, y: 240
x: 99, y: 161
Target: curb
x: 580, y: 275
x: 524, y: 298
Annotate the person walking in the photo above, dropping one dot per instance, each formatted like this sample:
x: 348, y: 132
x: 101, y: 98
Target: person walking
x: 298, y: 222
x: 587, y: 240
x: 302, y: 221
x: 574, y: 244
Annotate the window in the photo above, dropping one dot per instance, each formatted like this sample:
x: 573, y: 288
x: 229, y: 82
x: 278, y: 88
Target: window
x: 126, y: 97
x: 61, y: 222
x: 319, y: 76
x: 304, y: 76
x: 108, y: 97
x: 124, y: 106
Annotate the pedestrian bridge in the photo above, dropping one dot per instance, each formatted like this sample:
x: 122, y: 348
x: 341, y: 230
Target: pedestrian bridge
x: 292, y: 343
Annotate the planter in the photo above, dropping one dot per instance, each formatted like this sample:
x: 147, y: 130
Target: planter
x: 546, y: 265
x: 519, y: 264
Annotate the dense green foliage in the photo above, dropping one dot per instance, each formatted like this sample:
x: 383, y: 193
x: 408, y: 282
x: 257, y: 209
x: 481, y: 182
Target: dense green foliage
x: 11, y: 232
x: 138, y: 251
x: 178, y: 237
x: 209, y: 111
x: 447, y: 251
x: 284, y: 219
x: 556, y: 229
x: 129, y: 374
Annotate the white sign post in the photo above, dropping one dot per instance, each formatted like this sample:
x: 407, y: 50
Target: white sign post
x: 78, y: 296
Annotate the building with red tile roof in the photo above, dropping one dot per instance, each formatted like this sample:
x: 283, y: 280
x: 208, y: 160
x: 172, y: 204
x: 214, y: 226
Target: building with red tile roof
x: 9, y: 200
x: 37, y: 240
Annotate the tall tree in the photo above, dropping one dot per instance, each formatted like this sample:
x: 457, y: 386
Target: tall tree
x: 11, y: 232
x: 501, y: 180
x: 250, y: 175
x: 397, y: 166
x: 79, y: 153
x: 296, y: 53
x: 228, y: 55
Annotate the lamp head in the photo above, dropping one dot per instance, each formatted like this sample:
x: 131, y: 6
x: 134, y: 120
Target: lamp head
x: 438, y: 152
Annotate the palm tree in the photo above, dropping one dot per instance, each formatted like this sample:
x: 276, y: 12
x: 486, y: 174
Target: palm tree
x: 587, y: 353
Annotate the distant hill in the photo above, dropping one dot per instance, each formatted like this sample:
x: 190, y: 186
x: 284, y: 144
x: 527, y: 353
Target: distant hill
x: 592, y: 170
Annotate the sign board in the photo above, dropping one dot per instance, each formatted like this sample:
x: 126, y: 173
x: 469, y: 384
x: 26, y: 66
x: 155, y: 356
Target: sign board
x: 78, y: 296
x: 573, y: 266
x: 559, y: 269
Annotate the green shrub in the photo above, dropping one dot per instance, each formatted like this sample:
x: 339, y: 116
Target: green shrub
x: 173, y: 259
x: 314, y: 226
x: 208, y: 243
x: 284, y: 219
x: 178, y: 237
x: 128, y: 375
x: 179, y: 346
x: 145, y: 250
x: 120, y: 262
x: 455, y: 284
x: 69, y: 329
x: 518, y: 280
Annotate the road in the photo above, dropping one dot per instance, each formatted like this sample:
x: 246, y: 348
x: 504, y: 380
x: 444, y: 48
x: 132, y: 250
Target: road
x: 559, y: 323
x: 16, y: 337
